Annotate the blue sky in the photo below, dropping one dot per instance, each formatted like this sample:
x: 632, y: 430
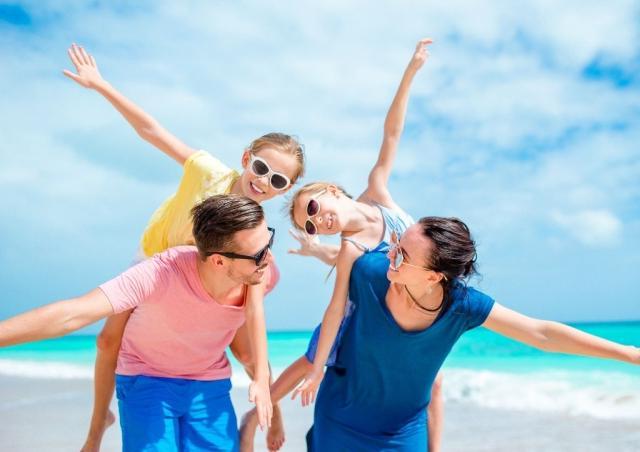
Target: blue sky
x: 524, y: 123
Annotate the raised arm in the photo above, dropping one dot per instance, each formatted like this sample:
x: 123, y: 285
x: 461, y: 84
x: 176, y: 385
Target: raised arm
x: 144, y: 124
x: 56, y: 319
x: 393, y: 127
x: 259, y: 392
x: 333, y: 316
x: 556, y: 337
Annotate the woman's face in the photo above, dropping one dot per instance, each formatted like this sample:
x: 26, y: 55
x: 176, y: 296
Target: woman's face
x: 267, y: 160
x: 325, y: 206
x: 415, y: 248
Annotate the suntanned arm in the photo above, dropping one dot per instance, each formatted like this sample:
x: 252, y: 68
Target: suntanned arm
x: 259, y: 393
x: 333, y: 316
x: 144, y: 124
x: 56, y: 319
x: 393, y: 127
x: 556, y: 337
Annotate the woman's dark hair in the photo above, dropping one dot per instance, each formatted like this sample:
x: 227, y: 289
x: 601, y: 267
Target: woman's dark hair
x: 219, y: 217
x: 452, y: 251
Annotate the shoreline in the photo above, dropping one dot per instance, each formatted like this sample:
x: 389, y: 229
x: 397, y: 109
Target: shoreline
x: 53, y: 415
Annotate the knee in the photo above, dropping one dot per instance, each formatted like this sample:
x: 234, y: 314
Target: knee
x: 108, y: 342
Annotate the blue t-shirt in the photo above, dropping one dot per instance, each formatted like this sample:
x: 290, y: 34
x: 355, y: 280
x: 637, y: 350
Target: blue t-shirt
x: 375, y: 396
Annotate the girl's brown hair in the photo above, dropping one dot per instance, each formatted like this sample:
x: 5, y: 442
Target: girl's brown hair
x: 284, y: 143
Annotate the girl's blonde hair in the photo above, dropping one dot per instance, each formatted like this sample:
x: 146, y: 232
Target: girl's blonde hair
x: 284, y: 143
x: 313, y: 188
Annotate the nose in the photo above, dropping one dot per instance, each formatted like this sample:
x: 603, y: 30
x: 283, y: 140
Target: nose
x: 319, y: 219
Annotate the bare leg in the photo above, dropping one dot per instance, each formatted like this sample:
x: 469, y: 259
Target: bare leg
x: 108, y: 344
x: 435, y: 412
x: 285, y: 383
x: 241, y: 349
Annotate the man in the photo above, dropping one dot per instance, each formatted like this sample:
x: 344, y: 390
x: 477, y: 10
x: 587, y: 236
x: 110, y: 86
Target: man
x: 173, y: 377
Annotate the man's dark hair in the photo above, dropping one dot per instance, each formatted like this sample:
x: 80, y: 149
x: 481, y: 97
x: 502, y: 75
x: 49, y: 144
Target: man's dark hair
x: 219, y: 217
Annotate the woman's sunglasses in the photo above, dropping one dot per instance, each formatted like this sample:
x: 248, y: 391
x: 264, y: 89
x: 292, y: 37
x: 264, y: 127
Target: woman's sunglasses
x: 260, y: 168
x: 259, y: 257
x: 397, y: 258
x: 313, y: 209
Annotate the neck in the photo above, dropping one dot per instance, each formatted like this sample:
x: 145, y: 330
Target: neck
x: 420, y: 294
x: 236, y: 188
x: 360, y: 216
x: 217, y: 284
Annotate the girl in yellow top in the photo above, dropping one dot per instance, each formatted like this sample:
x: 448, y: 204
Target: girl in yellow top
x: 271, y: 165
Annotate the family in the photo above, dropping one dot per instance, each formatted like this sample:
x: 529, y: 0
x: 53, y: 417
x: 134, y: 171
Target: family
x: 400, y: 302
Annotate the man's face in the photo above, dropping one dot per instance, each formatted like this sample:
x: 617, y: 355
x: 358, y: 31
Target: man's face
x: 249, y: 242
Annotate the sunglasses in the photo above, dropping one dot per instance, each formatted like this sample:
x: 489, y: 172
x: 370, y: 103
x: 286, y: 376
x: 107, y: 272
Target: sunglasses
x: 259, y: 257
x: 313, y: 209
x: 260, y: 168
x: 397, y: 257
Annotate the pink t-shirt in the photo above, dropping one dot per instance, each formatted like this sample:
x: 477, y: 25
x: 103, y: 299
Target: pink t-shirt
x: 176, y: 329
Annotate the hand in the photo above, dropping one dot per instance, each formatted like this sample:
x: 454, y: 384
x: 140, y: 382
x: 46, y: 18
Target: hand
x: 260, y: 394
x: 88, y: 74
x: 421, y: 54
x: 308, y: 243
x: 308, y: 388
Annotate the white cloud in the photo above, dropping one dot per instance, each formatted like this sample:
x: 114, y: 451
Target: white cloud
x: 592, y: 227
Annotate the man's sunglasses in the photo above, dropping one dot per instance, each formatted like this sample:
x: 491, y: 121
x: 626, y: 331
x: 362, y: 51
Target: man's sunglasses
x: 313, y: 209
x: 259, y: 257
x: 260, y: 168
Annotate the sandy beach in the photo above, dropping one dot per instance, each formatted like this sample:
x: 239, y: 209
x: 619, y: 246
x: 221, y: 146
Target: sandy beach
x: 52, y: 415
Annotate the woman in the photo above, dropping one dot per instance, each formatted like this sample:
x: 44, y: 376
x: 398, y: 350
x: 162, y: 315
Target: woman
x: 409, y: 313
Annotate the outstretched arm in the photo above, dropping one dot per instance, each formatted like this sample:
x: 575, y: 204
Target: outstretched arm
x: 259, y: 392
x: 56, y: 319
x: 144, y: 124
x: 310, y: 246
x: 331, y: 321
x: 556, y: 337
x: 393, y: 127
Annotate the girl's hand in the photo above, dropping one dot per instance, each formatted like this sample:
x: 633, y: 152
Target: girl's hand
x: 259, y: 393
x: 308, y: 243
x: 421, y: 54
x: 88, y: 74
x: 308, y: 388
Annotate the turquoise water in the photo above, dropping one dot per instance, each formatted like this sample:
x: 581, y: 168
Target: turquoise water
x: 483, y: 369
x: 478, y: 349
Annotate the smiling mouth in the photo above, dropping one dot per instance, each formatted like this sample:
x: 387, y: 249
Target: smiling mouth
x: 255, y: 188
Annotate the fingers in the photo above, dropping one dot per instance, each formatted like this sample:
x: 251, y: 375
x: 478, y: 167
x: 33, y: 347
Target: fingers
x: 85, y: 56
x: 293, y: 251
x: 296, y: 235
x: 93, y: 61
x: 71, y: 75
x: 73, y: 57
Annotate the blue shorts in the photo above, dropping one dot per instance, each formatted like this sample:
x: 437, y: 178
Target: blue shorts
x: 312, y: 348
x: 174, y: 414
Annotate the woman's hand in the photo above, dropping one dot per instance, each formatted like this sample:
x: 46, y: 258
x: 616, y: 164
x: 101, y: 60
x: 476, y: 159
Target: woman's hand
x: 260, y: 395
x: 309, y: 387
x: 421, y: 54
x: 88, y: 74
x: 308, y: 243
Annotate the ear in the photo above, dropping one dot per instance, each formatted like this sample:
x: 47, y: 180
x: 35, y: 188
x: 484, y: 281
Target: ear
x: 246, y: 155
x: 334, y: 190
x: 433, y: 278
x: 215, y: 260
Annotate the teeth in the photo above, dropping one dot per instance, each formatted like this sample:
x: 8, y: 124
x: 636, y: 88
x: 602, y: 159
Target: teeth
x: 256, y: 188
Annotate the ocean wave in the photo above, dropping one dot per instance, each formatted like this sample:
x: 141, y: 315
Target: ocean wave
x: 45, y: 369
x: 602, y: 395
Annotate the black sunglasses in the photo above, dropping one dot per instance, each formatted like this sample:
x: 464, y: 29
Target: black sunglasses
x: 259, y: 257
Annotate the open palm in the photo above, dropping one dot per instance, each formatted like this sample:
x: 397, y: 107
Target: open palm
x: 86, y: 67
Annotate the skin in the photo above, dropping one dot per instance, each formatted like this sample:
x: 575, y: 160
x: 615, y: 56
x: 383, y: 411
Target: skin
x: 248, y: 184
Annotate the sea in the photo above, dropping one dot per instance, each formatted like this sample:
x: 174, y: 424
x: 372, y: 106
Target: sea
x: 484, y: 369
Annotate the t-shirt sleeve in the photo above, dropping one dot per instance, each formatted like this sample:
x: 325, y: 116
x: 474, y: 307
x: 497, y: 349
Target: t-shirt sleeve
x: 202, y: 172
x: 137, y: 284
x: 477, y: 306
x: 273, y: 277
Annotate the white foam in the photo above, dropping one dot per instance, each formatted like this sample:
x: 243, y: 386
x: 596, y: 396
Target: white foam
x: 45, y: 369
x: 603, y: 395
